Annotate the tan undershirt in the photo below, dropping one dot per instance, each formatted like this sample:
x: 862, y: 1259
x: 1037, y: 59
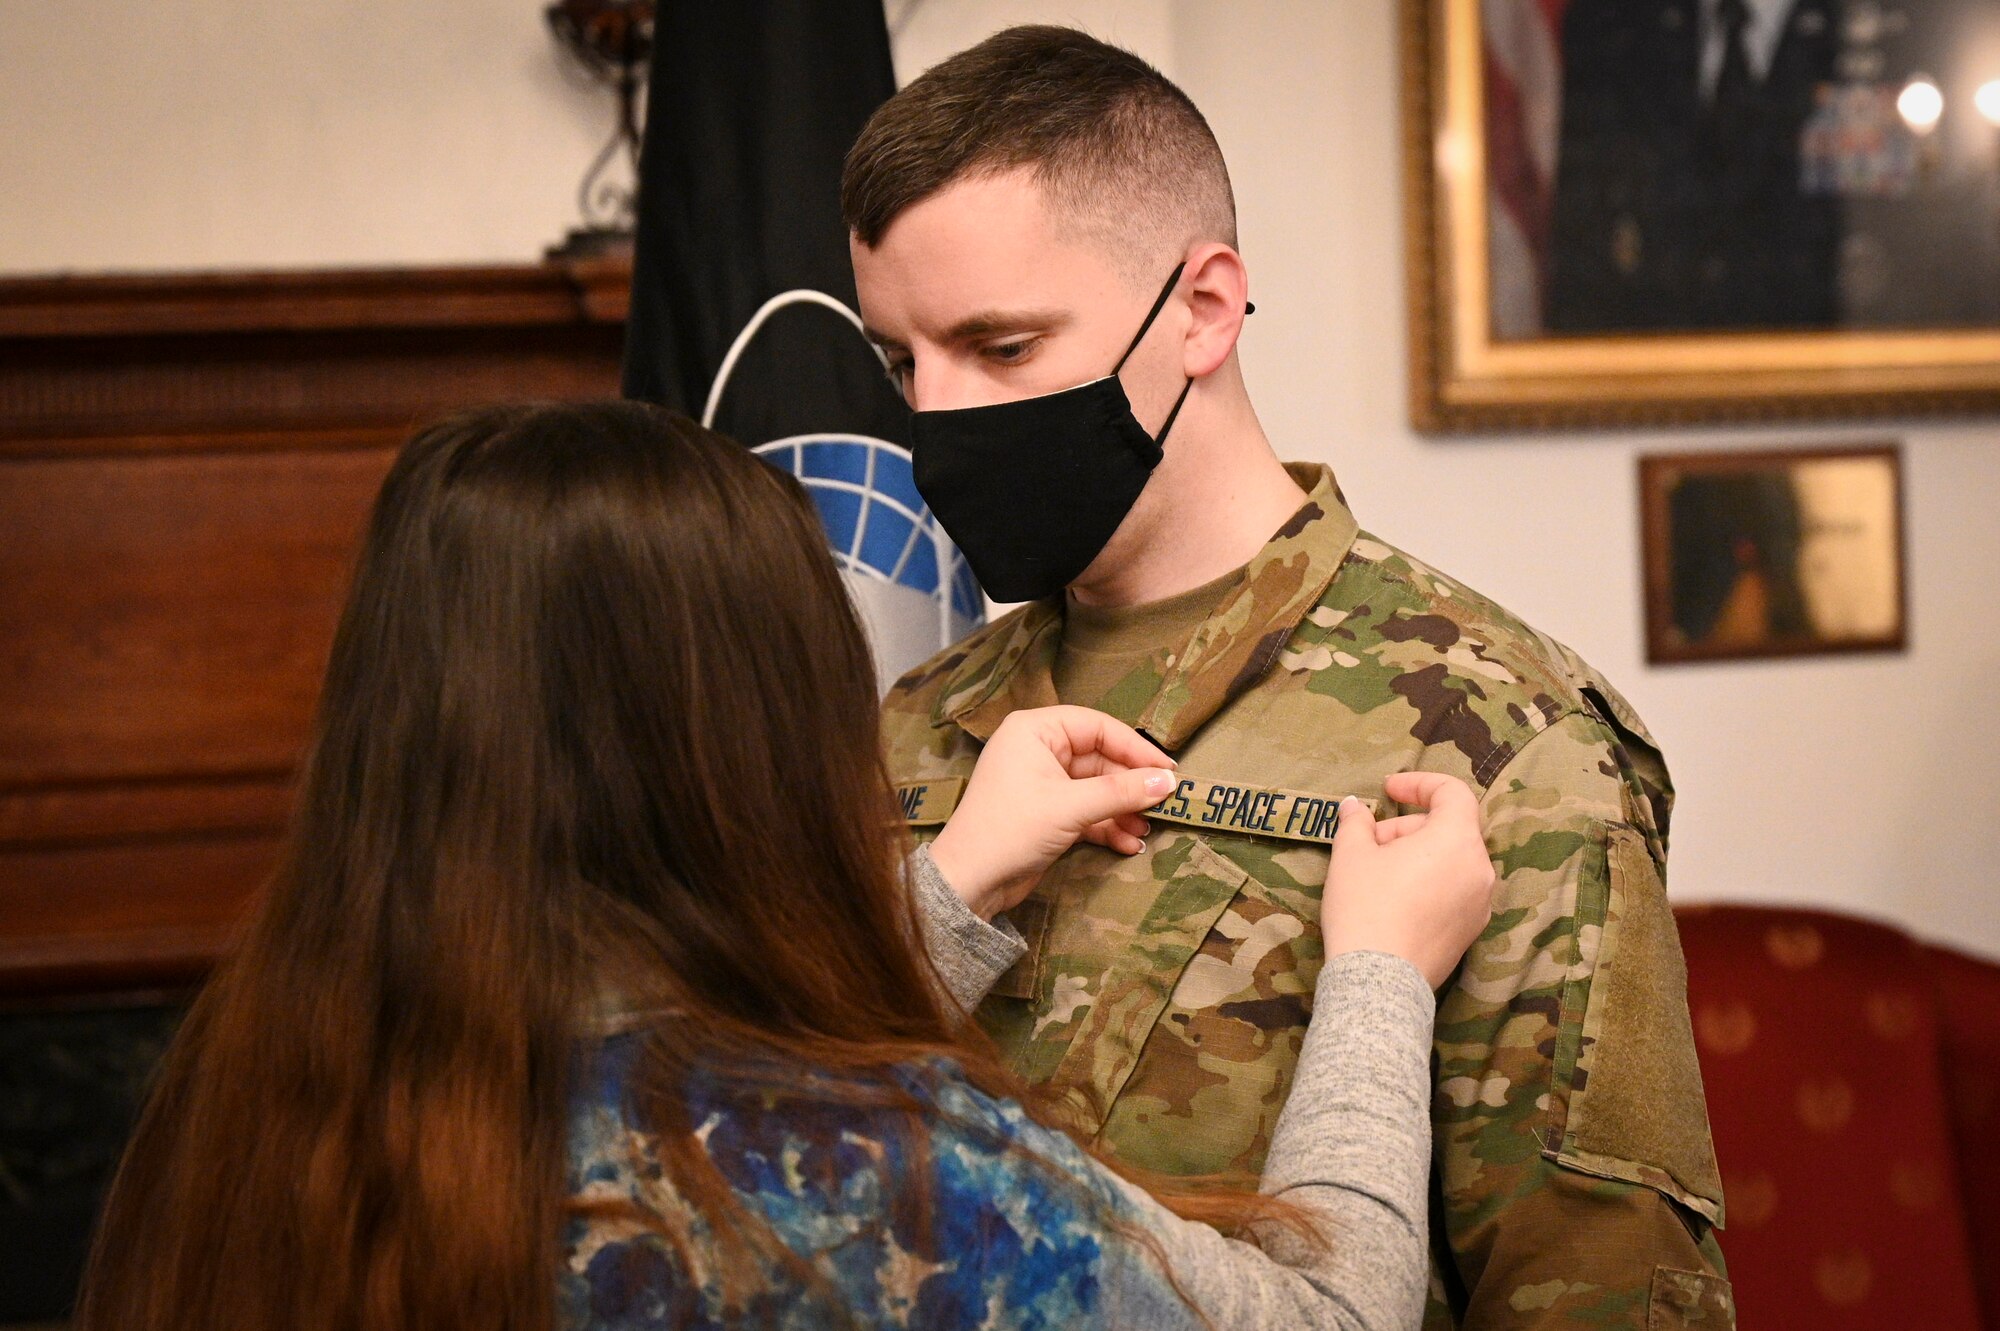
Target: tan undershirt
x: 1103, y: 645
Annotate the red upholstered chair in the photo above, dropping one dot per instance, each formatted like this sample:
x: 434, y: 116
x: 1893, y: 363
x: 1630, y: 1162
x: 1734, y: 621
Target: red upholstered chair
x: 1969, y: 1029
x: 1818, y: 1038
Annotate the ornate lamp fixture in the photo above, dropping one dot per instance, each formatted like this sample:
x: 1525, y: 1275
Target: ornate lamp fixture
x: 612, y: 41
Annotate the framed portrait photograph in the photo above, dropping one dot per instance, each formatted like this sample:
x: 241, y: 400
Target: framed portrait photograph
x: 1643, y: 211
x: 1782, y: 553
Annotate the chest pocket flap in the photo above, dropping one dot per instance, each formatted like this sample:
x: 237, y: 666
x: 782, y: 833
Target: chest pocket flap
x: 1114, y: 936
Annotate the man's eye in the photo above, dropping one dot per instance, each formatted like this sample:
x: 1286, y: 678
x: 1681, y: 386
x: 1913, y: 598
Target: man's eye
x: 902, y: 376
x: 1009, y: 352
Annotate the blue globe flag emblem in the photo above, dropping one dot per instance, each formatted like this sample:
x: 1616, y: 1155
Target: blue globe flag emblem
x: 911, y: 587
x: 876, y: 522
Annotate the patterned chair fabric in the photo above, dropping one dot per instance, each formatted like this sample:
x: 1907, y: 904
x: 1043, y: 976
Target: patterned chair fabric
x: 1968, y: 993
x: 1820, y: 1050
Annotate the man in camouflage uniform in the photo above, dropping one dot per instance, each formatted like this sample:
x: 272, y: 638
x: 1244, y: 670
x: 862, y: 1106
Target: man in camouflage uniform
x: 1164, y: 993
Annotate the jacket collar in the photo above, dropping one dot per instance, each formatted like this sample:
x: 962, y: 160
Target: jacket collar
x: 1229, y: 652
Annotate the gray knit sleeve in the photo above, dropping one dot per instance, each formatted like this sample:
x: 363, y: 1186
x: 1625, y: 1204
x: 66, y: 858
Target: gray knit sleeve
x: 1352, y: 1145
x: 969, y: 954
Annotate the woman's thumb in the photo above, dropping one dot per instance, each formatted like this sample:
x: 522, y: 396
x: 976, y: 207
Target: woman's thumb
x: 1356, y: 827
x: 1095, y: 798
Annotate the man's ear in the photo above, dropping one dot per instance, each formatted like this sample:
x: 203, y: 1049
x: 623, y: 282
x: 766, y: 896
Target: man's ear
x: 1218, y: 295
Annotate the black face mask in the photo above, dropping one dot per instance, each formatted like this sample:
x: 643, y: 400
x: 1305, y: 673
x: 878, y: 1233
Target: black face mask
x: 1032, y: 490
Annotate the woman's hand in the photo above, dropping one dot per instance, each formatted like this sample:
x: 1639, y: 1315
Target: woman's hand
x: 1418, y: 887
x: 1049, y: 777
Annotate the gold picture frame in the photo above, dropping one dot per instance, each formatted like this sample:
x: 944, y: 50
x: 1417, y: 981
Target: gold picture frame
x: 1464, y: 377
x: 1774, y: 552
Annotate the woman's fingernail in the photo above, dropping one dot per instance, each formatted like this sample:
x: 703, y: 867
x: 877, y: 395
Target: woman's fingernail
x: 1159, y: 785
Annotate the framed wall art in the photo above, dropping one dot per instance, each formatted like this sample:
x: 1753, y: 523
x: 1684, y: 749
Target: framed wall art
x: 1632, y: 211
x: 1778, y: 553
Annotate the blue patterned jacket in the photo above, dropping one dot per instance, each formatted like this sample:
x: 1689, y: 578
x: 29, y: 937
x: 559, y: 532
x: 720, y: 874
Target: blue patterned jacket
x: 1022, y: 1232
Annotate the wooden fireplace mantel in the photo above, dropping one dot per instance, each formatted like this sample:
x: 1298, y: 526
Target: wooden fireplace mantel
x: 185, y: 462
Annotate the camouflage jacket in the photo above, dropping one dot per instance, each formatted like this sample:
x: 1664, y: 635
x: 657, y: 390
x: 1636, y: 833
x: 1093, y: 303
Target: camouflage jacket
x: 1164, y: 995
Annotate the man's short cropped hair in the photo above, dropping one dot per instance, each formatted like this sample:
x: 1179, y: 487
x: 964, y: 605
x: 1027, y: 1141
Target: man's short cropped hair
x: 1121, y: 153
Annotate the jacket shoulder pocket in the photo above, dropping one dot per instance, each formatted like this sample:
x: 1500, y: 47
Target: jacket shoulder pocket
x: 1636, y: 1110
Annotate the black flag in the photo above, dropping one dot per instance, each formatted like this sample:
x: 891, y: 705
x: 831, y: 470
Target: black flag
x: 752, y: 106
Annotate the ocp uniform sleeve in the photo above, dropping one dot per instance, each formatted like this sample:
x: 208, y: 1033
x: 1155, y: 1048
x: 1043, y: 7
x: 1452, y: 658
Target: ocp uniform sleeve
x: 1575, y: 1175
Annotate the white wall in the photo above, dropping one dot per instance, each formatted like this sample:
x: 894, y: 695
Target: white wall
x: 249, y: 134
x: 926, y: 31
x: 227, y: 133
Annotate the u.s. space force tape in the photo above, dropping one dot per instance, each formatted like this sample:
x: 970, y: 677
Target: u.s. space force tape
x: 1215, y: 806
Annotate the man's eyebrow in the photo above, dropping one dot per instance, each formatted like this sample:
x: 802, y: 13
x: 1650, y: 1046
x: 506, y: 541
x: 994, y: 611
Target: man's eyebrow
x: 996, y: 323
x: 986, y: 323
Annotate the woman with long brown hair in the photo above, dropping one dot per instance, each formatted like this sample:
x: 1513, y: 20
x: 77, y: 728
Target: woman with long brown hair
x: 593, y: 989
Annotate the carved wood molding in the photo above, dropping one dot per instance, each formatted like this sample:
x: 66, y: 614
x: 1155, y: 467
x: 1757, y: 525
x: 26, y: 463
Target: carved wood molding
x: 41, y: 309
x: 247, y: 360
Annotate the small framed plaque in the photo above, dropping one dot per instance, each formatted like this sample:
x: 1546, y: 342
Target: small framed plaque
x: 1778, y: 553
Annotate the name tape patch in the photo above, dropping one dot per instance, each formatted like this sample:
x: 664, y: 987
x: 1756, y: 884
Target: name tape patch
x: 928, y: 802
x: 1219, y: 806
x: 1224, y: 806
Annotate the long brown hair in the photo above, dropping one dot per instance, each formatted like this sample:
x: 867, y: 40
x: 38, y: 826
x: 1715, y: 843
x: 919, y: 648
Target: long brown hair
x: 598, y: 722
